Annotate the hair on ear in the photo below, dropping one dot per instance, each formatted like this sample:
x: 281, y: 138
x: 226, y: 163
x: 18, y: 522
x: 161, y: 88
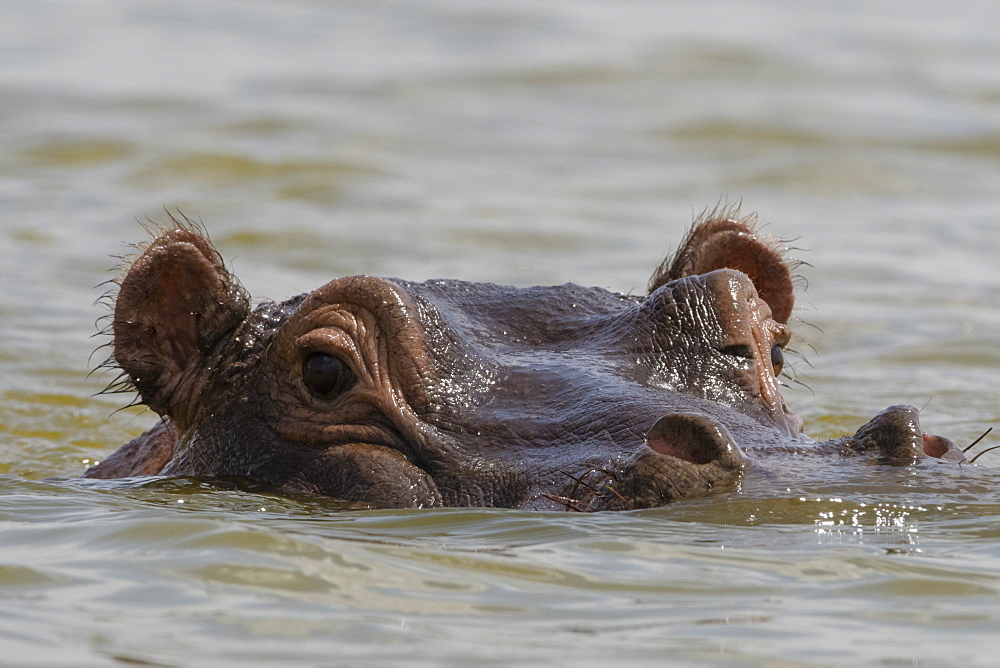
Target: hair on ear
x: 174, y: 305
x: 720, y: 239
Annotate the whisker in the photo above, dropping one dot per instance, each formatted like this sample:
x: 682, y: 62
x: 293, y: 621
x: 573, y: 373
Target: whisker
x: 799, y: 382
x: 973, y: 460
x: 628, y: 504
x: 580, y: 481
x: 970, y: 446
x: 567, y: 503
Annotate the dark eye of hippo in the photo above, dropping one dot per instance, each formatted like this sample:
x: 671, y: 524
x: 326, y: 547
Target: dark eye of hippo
x: 326, y: 376
x: 745, y: 352
x: 777, y: 359
x: 740, y: 350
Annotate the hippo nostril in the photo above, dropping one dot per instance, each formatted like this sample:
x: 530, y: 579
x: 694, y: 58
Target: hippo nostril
x: 934, y: 446
x: 940, y: 447
x: 894, y: 433
x: 693, y: 437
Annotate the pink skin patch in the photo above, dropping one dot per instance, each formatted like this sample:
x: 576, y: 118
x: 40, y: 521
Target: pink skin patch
x: 942, y: 448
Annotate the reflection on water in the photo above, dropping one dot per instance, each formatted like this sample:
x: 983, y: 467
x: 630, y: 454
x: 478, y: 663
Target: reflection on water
x: 521, y: 144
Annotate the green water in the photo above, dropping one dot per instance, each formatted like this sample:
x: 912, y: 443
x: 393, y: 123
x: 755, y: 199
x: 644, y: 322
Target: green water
x: 521, y: 143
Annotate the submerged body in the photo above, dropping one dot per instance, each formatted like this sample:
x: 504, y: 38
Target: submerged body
x: 448, y: 393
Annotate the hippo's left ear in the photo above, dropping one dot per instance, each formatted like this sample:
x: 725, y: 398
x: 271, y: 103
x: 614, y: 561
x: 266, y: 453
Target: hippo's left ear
x: 720, y: 243
x: 176, y: 303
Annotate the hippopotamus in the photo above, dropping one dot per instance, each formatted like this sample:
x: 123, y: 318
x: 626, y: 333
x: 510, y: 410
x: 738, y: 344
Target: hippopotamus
x: 395, y: 393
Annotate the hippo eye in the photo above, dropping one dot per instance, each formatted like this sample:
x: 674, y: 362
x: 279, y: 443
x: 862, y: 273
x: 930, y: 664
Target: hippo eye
x: 777, y: 359
x: 326, y: 376
x: 739, y: 350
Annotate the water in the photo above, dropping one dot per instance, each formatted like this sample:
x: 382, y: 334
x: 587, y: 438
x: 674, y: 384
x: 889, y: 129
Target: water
x: 522, y: 143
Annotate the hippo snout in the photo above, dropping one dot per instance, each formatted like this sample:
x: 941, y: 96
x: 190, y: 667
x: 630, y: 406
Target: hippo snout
x: 895, y: 435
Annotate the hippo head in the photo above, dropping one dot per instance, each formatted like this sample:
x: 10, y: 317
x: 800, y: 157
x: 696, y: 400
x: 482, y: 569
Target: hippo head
x: 449, y: 393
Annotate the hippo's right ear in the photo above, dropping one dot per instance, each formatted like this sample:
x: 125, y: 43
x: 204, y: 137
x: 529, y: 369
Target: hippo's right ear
x: 176, y: 303
x: 718, y: 241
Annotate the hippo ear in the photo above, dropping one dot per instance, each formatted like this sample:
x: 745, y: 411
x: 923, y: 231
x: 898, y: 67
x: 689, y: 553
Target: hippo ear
x: 175, y: 303
x: 720, y: 242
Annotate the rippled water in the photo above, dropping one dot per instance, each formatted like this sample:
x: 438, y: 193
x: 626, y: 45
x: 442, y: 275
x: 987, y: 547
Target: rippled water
x: 522, y: 143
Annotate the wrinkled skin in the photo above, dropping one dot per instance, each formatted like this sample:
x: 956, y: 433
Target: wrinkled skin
x: 447, y: 393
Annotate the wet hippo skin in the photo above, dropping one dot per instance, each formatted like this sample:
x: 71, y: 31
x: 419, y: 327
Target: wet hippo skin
x: 450, y: 393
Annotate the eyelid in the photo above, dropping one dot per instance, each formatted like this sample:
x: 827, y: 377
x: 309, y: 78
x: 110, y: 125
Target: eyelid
x: 782, y: 336
x: 326, y: 340
x: 738, y: 350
